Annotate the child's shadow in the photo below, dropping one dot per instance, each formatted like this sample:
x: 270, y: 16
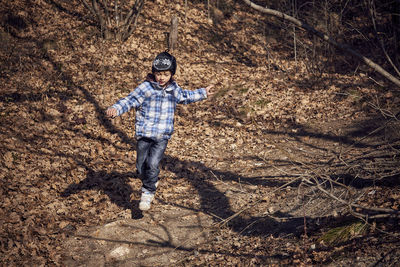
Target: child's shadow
x: 114, y: 185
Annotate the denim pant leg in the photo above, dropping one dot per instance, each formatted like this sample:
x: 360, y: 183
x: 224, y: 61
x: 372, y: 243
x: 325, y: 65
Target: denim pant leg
x: 142, y: 151
x: 149, y: 154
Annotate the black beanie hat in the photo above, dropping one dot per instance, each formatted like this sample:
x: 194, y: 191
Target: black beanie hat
x: 163, y: 62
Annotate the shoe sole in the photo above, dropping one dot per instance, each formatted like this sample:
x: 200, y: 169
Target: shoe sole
x: 144, y: 208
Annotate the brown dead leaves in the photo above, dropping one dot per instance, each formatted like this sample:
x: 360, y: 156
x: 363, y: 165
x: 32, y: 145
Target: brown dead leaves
x: 64, y: 165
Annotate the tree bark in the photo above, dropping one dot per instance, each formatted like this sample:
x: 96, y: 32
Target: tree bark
x: 173, y: 34
x: 326, y: 38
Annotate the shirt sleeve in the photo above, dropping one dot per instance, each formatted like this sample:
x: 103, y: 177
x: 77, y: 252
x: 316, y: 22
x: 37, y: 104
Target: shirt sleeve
x: 133, y: 100
x: 190, y: 96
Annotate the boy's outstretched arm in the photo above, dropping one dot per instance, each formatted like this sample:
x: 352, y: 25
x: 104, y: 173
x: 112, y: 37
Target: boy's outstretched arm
x: 133, y: 100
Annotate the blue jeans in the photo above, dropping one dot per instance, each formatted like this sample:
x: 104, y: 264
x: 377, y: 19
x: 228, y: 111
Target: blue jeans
x: 149, y: 154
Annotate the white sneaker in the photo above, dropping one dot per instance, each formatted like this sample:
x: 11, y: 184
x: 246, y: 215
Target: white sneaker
x: 145, y: 200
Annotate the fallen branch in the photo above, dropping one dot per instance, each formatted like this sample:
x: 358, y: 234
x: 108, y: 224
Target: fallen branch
x: 247, y: 207
x: 313, y: 175
x: 326, y: 38
x: 388, y: 212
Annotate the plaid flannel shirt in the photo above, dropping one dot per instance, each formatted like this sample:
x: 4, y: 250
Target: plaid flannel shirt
x: 155, y: 107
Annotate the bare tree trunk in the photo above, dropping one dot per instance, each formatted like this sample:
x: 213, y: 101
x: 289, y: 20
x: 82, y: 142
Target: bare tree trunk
x: 326, y: 38
x: 132, y: 17
x: 186, y: 10
x: 294, y: 6
x: 114, y: 24
x: 396, y: 28
x: 173, y: 34
x: 372, y: 10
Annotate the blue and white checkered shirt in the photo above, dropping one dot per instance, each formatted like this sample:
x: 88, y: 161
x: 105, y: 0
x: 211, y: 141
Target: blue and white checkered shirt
x: 155, y: 107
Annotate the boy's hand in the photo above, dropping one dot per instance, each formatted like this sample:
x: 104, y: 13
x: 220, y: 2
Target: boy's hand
x: 111, y: 112
x: 209, y: 90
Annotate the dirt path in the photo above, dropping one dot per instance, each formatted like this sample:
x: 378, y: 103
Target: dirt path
x: 161, y: 237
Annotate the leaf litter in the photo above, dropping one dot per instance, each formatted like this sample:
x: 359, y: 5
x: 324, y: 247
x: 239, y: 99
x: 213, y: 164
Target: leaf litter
x: 68, y: 186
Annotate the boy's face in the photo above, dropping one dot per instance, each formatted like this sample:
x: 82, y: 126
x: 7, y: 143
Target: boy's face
x: 163, y: 77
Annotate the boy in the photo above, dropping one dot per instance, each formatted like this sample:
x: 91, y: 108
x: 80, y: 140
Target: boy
x: 155, y: 103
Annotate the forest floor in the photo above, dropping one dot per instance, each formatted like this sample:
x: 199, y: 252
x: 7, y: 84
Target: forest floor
x: 234, y: 186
